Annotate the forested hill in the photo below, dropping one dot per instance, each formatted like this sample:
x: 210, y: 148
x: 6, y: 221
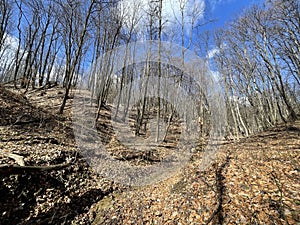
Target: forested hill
x: 149, y: 112
x: 255, y: 180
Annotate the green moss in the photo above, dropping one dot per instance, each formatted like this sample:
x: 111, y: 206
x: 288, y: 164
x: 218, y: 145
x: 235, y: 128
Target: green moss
x: 101, y: 207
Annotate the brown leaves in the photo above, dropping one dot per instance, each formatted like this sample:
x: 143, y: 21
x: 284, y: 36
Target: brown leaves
x: 263, y: 182
x: 259, y: 181
x: 254, y: 181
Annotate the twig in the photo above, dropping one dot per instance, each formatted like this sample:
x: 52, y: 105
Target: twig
x: 16, y: 169
x: 9, y: 169
x: 218, y: 209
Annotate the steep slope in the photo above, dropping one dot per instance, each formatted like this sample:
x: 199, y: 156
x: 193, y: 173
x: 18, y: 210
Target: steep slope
x: 253, y: 181
x: 32, y: 136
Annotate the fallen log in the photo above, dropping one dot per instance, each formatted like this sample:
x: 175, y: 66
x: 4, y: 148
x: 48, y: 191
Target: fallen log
x: 50, y: 140
x: 13, y: 169
x: 10, y: 169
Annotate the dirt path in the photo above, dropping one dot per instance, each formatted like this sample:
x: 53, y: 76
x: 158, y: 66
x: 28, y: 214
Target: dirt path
x: 253, y: 181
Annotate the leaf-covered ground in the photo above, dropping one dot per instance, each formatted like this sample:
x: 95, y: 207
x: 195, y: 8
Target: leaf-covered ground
x: 30, y: 128
x: 253, y: 181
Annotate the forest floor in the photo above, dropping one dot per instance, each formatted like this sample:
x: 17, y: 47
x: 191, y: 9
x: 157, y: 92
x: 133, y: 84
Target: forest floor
x: 255, y: 180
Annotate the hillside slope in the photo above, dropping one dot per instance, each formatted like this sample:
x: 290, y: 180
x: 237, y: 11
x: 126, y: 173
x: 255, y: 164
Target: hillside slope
x: 253, y: 181
x: 33, y: 135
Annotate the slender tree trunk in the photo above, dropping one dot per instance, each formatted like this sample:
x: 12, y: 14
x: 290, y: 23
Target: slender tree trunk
x: 159, y: 71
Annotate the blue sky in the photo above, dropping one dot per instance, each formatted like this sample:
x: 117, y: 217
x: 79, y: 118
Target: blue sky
x: 221, y: 10
x: 224, y: 11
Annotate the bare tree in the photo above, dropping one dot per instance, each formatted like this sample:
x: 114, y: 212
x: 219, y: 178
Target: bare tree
x: 6, y: 8
x: 259, y: 69
x: 73, y: 17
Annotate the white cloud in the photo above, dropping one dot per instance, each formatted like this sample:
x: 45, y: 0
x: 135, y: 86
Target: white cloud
x: 216, y: 50
x: 10, y: 44
x: 215, y: 3
x: 216, y: 75
x: 136, y: 10
x: 8, y: 51
x: 211, y: 53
